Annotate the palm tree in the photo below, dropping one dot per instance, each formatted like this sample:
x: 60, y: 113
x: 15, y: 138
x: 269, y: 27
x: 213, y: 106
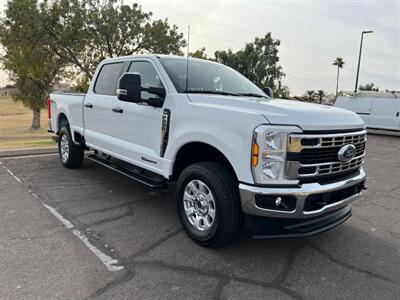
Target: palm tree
x: 310, y: 94
x: 339, y: 63
x: 321, y: 94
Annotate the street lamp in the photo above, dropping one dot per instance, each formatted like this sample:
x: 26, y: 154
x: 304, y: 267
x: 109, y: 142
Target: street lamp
x: 359, y: 57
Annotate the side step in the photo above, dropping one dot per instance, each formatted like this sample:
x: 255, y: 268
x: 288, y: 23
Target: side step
x: 136, y: 173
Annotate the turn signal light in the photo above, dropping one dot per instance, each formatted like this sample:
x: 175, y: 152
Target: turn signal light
x: 255, y: 154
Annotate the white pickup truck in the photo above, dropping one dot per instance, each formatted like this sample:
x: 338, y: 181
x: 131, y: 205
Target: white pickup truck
x: 283, y: 168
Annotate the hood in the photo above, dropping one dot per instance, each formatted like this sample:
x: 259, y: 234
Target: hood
x: 307, y: 116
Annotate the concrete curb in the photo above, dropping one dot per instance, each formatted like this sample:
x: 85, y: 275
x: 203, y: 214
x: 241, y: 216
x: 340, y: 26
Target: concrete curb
x: 22, y: 152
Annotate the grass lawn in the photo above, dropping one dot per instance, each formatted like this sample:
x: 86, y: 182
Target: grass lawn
x: 15, y: 123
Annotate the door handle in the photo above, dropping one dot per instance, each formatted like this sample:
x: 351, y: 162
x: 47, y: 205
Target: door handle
x: 89, y: 105
x: 397, y: 114
x: 118, y: 110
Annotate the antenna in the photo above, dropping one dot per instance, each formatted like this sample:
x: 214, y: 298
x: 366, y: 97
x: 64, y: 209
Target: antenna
x: 187, y: 61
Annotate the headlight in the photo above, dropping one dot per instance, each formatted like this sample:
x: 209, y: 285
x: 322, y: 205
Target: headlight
x: 269, y: 153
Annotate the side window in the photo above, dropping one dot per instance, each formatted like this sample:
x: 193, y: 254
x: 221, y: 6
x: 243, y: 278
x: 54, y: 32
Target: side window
x: 148, y: 76
x: 106, y: 82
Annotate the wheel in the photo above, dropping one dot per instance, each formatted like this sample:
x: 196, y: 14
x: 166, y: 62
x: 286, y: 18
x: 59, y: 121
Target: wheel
x: 209, y: 204
x: 71, y: 155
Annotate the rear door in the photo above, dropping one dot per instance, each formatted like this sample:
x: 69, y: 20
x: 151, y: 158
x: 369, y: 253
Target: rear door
x: 384, y: 113
x: 98, y: 104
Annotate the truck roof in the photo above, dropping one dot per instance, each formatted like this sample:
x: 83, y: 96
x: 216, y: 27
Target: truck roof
x: 151, y: 56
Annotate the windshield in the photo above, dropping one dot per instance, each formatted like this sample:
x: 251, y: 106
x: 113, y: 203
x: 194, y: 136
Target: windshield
x: 208, y: 77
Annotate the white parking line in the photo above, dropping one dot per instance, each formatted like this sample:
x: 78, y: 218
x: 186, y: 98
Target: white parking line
x: 112, y: 264
x: 63, y: 220
x: 28, y: 156
x: 12, y: 174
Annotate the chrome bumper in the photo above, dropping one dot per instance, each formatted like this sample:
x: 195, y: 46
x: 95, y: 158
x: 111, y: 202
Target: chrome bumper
x: 248, y: 193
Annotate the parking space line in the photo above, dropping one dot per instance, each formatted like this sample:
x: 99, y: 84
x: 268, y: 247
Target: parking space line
x: 112, y: 264
x: 12, y: 174
x: 28, y: 156
x: 63, y: 220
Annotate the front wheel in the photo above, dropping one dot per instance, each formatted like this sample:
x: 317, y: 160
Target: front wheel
x: 209, y: 204
x: 71, y: 155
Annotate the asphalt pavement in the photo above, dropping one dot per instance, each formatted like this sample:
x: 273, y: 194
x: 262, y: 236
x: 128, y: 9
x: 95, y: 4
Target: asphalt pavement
x: 93, y: 233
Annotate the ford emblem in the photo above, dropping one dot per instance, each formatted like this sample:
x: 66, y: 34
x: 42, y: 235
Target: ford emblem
x: 346, y: 153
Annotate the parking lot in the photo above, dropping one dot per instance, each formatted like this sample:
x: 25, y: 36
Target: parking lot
x: 102, y: 235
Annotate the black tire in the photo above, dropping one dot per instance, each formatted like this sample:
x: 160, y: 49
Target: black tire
x: 75, y: 152
x: 228, y: 213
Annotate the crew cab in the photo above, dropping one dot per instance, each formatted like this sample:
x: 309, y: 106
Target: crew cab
x: 282, y: 168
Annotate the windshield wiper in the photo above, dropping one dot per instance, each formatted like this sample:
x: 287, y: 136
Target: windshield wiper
x: 211, y: 92
x: 252, y: 95
x: 227, y: 93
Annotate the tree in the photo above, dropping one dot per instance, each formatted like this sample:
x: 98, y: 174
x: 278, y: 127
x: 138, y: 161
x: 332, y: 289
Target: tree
x: 339, y: 63
x: 321, y: 95
x: 84, y: 32
x: 282, y: 91
x: 200, y: 53
x: 31, y: 64
x: 258, y: 61
x: 368, y: 87
x: 311, y: 94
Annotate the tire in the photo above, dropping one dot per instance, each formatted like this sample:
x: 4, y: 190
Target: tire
x: 217, y: 222
x: 70, y: 154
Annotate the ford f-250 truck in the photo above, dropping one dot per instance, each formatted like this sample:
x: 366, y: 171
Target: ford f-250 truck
x: 283, y: 168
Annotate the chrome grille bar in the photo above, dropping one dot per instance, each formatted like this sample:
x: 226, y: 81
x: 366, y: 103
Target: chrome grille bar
x: 326, y: 142
x: 294, y: 168
x: 298, y: 142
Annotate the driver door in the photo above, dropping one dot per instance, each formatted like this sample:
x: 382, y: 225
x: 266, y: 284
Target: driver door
x: 138, y: 125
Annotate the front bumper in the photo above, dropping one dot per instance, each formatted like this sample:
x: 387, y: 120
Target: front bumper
x: 323, y: 215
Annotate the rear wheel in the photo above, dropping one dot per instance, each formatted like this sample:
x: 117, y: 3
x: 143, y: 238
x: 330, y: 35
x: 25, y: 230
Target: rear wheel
x: 208, y: 204
x: 71, y: 154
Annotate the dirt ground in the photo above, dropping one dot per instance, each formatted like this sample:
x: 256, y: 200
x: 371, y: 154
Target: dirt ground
x: 15, y: 123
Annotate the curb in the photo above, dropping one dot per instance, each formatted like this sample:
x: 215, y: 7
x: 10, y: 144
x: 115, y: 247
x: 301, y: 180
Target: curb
x: 22, y: 152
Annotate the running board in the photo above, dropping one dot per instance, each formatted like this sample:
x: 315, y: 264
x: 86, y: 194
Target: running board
x: 139, y: 174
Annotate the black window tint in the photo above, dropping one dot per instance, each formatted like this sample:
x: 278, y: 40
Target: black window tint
x: 148, y: 75
x: 106, y: 83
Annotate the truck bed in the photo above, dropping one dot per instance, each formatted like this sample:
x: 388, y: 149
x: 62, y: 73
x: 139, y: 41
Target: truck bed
x: 68, y: 104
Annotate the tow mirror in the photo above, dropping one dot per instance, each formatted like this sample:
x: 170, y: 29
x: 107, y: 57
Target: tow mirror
x: 129, y: 87
x: 269, y: 92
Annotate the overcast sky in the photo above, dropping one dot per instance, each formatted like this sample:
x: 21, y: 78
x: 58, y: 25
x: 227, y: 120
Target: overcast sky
x: 312, y: 34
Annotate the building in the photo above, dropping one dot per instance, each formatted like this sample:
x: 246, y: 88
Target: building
x: 7, y: 91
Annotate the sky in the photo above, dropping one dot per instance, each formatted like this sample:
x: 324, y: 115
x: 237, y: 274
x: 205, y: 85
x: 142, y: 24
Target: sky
x: 312, y: 35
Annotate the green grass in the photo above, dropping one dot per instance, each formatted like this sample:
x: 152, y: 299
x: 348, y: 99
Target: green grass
x: 46, y: 142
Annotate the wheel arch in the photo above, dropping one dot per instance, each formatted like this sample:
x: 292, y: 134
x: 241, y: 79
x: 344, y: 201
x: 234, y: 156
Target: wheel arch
x: 61, y: 121
x: 197, y: 151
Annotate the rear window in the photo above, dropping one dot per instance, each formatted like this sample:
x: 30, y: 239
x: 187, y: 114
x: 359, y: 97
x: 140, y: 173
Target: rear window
x: 106, y: 82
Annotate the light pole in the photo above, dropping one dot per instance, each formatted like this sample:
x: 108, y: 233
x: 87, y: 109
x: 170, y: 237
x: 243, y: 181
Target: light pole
x: 359, y: 57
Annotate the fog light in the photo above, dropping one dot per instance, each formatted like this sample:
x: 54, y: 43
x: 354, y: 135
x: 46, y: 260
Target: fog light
x: 276, y: 202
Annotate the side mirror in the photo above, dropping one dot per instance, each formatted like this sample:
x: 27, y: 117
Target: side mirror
x: 159, y: 91
x: 129, y: 87
x: 269, y: 92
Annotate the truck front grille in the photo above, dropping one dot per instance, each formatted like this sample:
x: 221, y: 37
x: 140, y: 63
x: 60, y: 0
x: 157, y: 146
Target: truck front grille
x: 313, y: 155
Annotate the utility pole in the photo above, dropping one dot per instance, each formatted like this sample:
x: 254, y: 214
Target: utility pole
x: 359, y: 58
